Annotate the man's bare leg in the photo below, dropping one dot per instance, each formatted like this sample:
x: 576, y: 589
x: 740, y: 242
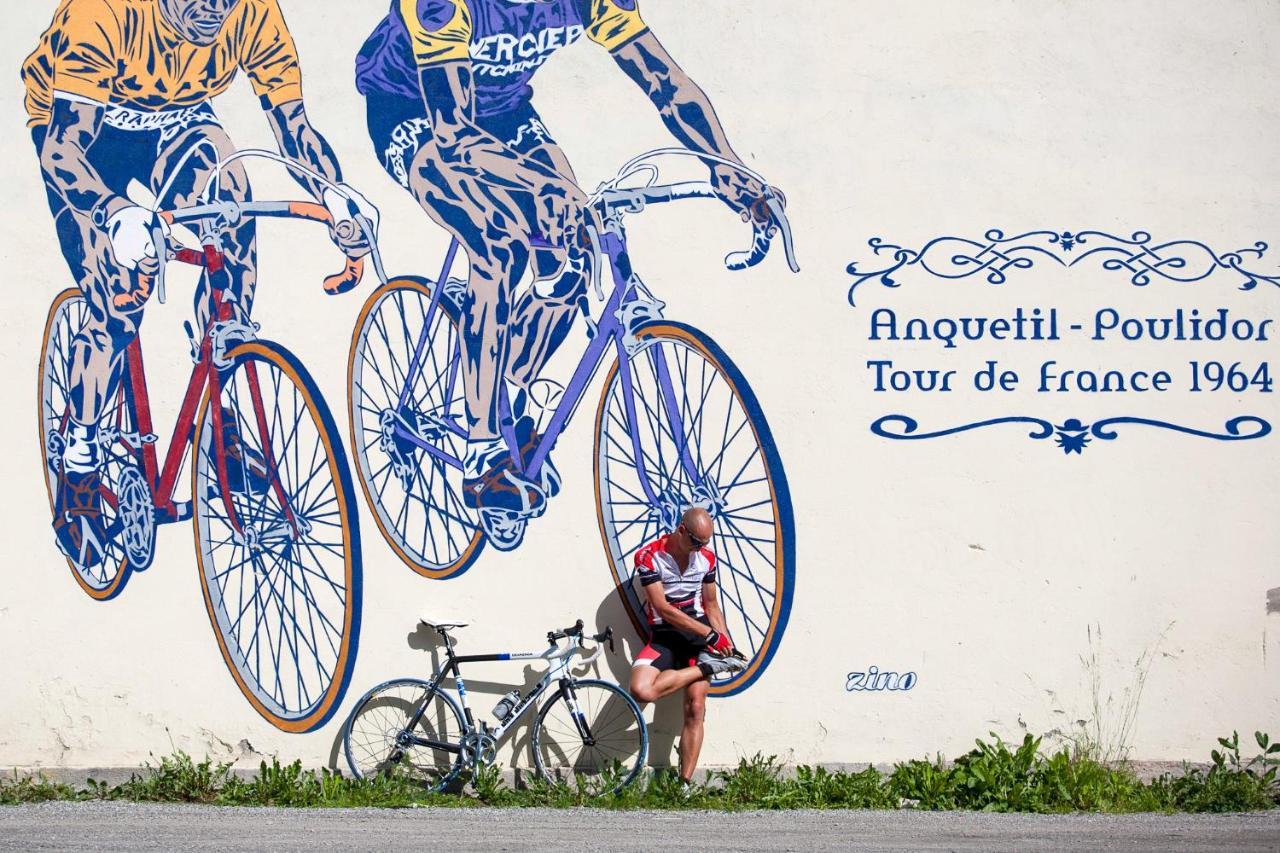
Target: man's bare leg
x: 695, y: 713
x: 650, y: 685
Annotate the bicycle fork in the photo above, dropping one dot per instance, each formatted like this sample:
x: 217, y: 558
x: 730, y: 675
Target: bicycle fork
x: 575, y: 710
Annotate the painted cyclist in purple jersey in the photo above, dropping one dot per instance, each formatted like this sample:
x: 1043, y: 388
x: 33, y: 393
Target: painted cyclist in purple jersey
x: 450, y: 113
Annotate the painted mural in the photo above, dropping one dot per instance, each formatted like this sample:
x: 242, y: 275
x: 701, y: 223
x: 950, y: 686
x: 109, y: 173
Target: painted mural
x: 453, y: 415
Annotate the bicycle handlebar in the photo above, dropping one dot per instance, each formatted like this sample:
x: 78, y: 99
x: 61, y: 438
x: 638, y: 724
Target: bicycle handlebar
x: 767, y: 216
x: 573, y: 631
x: 340, y: 282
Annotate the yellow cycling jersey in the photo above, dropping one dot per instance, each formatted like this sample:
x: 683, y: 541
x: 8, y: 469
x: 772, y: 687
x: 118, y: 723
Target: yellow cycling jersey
x: 123, y: 53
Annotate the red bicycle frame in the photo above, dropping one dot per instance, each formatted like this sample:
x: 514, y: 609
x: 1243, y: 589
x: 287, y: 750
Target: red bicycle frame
x: 207, y: 374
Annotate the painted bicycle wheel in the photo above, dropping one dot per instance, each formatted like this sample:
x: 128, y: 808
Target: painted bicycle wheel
x: 377, y: 742
x: 67, y: 315
x: 277, y: 538
x: 678, y: 426
x: 409, y: 434
x: 592, y: 734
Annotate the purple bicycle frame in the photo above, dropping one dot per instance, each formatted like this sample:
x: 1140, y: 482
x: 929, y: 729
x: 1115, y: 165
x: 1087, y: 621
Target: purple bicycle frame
x: 608, y: 332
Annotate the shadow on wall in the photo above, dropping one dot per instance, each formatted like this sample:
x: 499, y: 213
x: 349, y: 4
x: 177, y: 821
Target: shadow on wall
x: 668, y: 714
x: 424, y: 639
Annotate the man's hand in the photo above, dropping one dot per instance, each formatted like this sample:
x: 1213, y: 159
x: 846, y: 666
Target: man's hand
x: 346, y: 232
x: 718, y: 643
x: 129, y: 230
x: 563, y: 212
x: 741, y: 192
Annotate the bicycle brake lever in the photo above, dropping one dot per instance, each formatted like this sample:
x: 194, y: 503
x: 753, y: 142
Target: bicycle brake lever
x: 593, y: 237
x: 367, y: 228
x: 161, y: 245
x: 780, y: 219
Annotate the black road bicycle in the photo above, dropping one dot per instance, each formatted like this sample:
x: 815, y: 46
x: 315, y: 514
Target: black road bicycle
x: 589, y: 729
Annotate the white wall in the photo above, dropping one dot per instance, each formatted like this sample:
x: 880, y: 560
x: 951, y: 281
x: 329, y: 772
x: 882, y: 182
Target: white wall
x: 978, y: 561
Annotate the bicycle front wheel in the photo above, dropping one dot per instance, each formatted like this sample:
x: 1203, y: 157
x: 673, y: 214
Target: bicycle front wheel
x: 408, y: 427
x: 277, y: 538
x: 378, y: 737
x: 678, y: 426
x: 591, y: 732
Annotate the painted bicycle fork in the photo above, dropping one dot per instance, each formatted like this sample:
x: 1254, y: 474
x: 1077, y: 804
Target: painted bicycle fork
x: 609, y: 331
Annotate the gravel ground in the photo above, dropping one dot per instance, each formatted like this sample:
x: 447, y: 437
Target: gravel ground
x: 128, y: 826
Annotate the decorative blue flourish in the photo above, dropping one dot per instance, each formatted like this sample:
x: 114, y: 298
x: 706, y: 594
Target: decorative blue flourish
x: 1073, y: 435
x: 996, y: 255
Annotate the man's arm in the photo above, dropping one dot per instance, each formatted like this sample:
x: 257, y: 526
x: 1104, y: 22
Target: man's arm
x: 302, y: 143
x: 269, y: 56
x: 711, y: 604
x: 687, y: 113
x: 674, y: 616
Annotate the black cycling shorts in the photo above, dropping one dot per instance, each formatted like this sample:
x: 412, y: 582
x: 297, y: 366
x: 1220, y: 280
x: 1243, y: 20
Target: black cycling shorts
x: 671, y: 649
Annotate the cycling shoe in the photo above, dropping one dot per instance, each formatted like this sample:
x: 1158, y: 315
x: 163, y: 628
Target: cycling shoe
x: 77, y: 517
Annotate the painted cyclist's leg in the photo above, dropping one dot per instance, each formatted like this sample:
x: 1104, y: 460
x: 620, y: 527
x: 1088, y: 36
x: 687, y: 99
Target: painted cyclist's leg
x: 544, y: 313
x: 184, y: 162
x: 96, y: 350
x: 185, y: 159
x: 94, y: 377
x: 498, y: 254
x: 543, y: 318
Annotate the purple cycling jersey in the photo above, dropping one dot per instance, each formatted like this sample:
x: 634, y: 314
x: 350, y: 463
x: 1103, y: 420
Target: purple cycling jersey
x: 506, y: 41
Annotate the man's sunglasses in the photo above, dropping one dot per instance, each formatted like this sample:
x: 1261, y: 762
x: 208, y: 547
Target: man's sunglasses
x: 694, y: 540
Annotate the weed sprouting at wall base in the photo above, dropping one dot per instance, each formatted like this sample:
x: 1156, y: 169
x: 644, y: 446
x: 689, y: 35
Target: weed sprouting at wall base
x: 994, y: 776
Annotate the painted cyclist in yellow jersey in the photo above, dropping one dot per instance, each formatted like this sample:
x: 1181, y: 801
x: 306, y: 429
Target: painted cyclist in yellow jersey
x: 118, y: 91
x: 450, y: 113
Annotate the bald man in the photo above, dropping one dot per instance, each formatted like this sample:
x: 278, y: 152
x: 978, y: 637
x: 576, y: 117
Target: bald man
x: 688, y: 641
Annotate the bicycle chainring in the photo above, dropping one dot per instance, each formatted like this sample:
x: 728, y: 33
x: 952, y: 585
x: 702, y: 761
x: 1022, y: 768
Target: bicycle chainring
x: 57, y: 445
x: 136, y: 517
x: 479, y: 749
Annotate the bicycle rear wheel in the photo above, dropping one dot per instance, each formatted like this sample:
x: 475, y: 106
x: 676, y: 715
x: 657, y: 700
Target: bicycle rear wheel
x: 375, y: 738
x: 408, y: 453
x: 680, y: 427
x: 277, y: 538
x: 67, y: 316
x: 591, y: 732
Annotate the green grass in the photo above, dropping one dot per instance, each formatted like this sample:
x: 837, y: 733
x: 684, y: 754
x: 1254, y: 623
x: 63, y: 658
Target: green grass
x: 994, y: 776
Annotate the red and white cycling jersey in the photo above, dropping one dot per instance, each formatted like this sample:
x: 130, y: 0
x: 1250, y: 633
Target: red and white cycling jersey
x: 682, y: 589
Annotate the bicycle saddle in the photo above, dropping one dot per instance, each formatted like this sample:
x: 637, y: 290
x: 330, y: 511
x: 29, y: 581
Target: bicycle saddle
x: 441, y: 626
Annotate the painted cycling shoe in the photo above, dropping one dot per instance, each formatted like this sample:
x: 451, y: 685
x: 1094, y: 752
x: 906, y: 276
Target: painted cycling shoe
x: 503, y: 488
x: 77, y: 517
x: 246, y: 467
x: 548, y: 476
x: 503, y: 529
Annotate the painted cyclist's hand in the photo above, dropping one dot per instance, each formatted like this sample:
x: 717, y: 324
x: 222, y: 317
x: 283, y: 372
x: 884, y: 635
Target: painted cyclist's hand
x: 563, y: 212
x: 741, y: 192
x: 129, y: 230
x: 346, y: 233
